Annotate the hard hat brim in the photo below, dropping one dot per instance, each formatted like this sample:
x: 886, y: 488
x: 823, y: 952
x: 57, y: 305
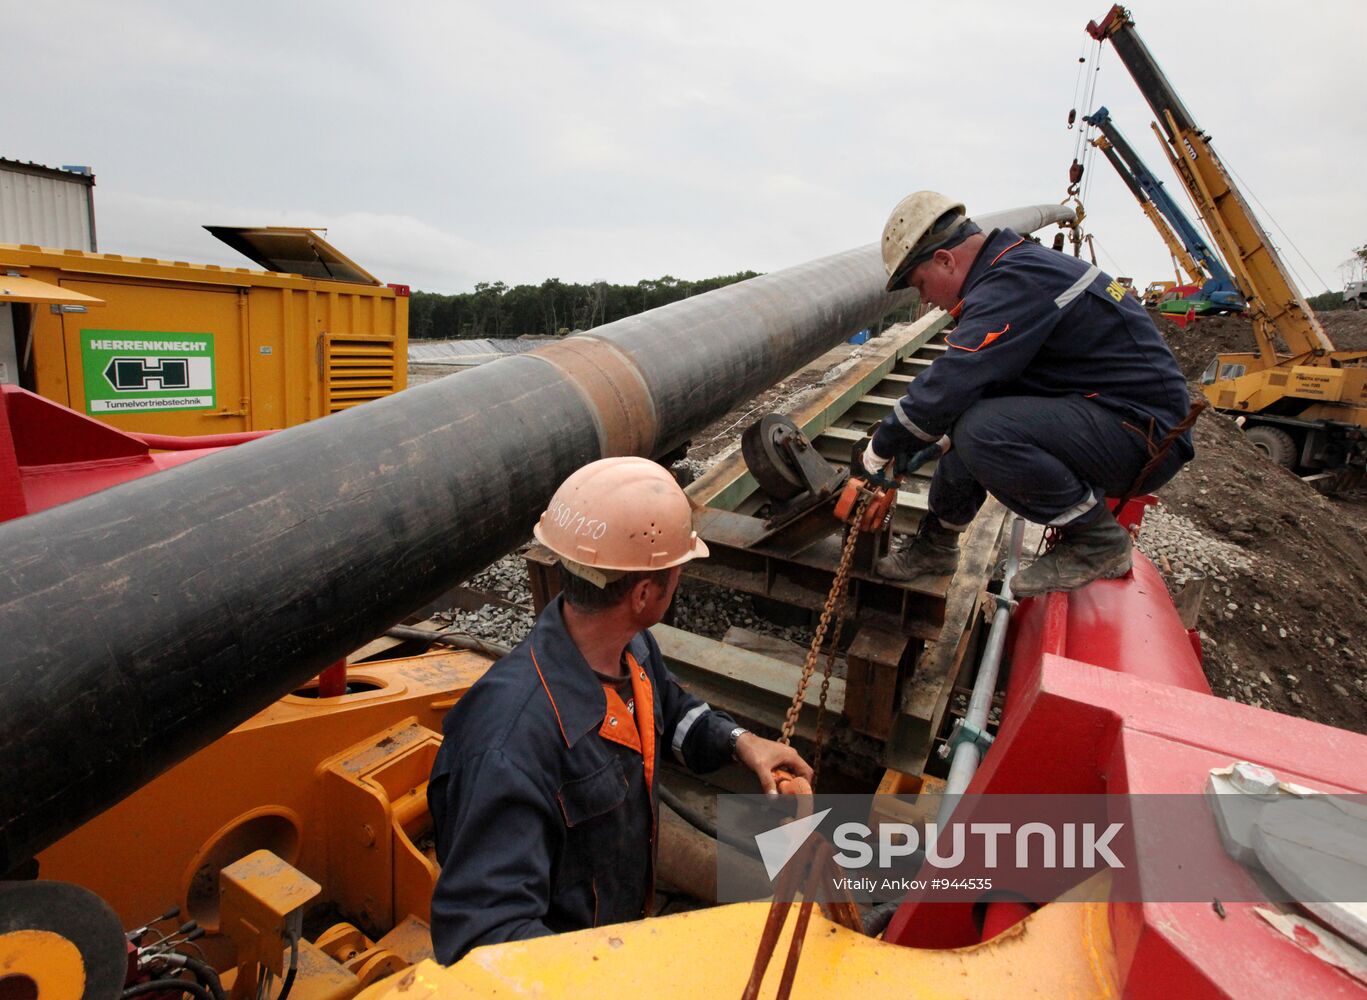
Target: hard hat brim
x: 698, y: 550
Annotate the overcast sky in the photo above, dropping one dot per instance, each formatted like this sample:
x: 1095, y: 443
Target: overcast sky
x: 443, y: 144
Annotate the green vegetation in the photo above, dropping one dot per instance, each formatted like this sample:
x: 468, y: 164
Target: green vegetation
x: 1326, y: 301
x: 549, y: 309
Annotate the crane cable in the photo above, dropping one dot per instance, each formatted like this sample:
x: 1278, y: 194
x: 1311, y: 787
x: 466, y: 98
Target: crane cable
x: 1244, y: 186
x: 1079, y: 178
x: 1088, y: 150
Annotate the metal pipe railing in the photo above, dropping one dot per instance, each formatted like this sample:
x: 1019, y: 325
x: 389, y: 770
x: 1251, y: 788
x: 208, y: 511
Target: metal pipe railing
x: 967, y: 754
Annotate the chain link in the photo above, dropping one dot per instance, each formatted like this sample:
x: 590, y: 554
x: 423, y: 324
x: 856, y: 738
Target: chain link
x: 834, y: 606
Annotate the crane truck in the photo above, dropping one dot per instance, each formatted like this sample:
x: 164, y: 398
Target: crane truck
x: 1302, y: 402
x: 1184, y: 241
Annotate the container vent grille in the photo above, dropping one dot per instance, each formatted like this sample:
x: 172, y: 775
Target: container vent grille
x: 357, y: 370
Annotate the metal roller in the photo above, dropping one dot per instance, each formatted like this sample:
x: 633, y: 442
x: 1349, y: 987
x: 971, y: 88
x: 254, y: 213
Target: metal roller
x: 142, y: 623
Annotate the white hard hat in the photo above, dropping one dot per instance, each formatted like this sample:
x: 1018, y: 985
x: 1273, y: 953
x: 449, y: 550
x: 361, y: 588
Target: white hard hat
x: 921, y: 223
x: 619, y: 515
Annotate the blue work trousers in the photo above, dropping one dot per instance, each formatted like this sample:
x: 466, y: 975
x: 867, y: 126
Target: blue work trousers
x: 1052, y: 460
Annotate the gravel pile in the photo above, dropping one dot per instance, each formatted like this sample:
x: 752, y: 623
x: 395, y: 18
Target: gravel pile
x: 1178, y: 545
x: 709, y: 611
x: 688, y: 469
x: 496, y: 622
x: 698, y: 607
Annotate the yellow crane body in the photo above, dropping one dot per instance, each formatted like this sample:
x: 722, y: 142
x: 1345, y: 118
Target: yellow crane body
x: 1308, y: 395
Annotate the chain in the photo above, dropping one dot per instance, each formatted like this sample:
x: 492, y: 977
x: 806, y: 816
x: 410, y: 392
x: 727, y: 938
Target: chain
x: 826, y: 687
x: 833, y: 608
x: 835, y: 603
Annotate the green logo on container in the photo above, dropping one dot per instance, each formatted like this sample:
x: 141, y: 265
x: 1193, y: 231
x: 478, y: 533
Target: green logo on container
x: 134, y: 371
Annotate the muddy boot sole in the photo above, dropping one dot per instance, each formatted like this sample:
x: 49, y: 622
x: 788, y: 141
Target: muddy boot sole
x: 894, y: 567
x: 1059, y: 571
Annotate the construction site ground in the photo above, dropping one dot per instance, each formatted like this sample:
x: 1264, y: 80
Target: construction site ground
x: 1283, y: 619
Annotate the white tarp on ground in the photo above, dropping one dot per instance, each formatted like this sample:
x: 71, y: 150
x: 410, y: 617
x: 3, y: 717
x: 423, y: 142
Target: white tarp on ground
x: 468, y: 352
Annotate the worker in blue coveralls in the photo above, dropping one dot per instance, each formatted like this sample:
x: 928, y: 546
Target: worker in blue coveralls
x: 543, y: 794
x: 1055, y: 391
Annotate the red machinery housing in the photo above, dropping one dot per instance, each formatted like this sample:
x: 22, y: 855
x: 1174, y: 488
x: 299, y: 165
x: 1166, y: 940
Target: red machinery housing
x: 50, y: 454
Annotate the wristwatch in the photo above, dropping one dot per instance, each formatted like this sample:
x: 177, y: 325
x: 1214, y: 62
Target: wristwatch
x: 734, y: 738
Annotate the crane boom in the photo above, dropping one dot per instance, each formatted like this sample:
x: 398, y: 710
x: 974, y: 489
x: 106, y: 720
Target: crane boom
x: 1179, y: 253
x: 1276, y: 307
x: 1305, y: 409
x: 1183, y: 239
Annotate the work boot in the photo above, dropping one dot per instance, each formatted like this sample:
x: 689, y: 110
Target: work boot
x: 932, y: 552
x: 1099, y: 550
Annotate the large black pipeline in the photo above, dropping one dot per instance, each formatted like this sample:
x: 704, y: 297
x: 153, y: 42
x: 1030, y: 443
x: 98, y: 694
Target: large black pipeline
x: 141, y: 623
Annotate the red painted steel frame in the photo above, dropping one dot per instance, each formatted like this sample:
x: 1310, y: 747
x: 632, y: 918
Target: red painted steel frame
x: 1106, y: 695
x: 50, y: 454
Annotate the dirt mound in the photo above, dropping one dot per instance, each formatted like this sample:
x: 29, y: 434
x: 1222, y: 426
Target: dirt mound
x: 1284, y: 620
x: 1199, y: 342
x: 1347, y: 328
x: 1195, y: 345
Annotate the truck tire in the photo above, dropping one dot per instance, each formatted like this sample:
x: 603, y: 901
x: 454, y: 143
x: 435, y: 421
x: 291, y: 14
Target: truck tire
x: 1275, y: 443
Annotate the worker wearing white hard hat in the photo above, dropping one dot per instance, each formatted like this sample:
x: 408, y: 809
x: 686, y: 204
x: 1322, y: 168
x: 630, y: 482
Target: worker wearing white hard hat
x: 1055, y: 391
x: 544, y: 792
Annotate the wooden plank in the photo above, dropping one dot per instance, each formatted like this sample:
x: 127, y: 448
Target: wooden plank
x: 766, y: 645
x: 728, y: 483
x: 925, y: 696
x: 871, y: 680
x: 752, y: 687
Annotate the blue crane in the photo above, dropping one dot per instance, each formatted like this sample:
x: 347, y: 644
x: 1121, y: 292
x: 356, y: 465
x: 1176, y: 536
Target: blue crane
x: 1219, y: 289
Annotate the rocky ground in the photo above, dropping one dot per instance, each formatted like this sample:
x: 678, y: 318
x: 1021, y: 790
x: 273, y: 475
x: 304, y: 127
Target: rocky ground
x: 1284, y: 616
x: 1284, y: 620
x: 1195, y: 347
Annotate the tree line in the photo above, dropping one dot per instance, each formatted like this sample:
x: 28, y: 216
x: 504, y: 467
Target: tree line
x: 552, y: 308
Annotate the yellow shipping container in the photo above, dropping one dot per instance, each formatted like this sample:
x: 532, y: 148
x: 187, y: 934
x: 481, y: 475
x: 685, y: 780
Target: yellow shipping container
x: 190, y: 349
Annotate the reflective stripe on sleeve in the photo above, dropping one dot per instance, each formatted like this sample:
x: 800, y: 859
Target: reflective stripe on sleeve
x: 910, y: 424
x: 1078, y: 287
x: 685, y: 725
x: 1074, y: 512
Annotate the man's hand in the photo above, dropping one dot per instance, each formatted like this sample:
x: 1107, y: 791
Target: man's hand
x: 874, y: 463
x: 762, y: 756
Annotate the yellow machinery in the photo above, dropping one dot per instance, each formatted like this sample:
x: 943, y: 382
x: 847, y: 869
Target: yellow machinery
x: 332, y: 789
x: 274, y: 821
x: 172, y: 348
x: 1063, y: 950
x: 1155, y: 291
x: 1305, y: 408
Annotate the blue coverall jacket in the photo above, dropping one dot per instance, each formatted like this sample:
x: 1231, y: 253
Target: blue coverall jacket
x: 543, y: 825
x: 1036, y: 322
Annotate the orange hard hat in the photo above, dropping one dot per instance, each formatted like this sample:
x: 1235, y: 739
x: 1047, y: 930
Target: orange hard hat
x: 620, y: 515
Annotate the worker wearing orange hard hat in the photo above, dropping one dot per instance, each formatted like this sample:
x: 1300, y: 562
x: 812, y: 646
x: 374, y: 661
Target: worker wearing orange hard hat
x: 1054, y: 392
x: 543, y: 794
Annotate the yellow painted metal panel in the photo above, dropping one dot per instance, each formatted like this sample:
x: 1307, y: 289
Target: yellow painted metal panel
x: 269, y: 349
x: 153, y: 314
x: 1064, y: 950
x: 19, y: 289
x: 357, y: 370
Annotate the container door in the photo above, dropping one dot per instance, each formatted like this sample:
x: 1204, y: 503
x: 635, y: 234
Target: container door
x: 159, y: 360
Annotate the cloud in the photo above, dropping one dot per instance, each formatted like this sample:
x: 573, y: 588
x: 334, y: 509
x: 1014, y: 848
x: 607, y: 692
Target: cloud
x: 394, y: 248
x: 617, y: 140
